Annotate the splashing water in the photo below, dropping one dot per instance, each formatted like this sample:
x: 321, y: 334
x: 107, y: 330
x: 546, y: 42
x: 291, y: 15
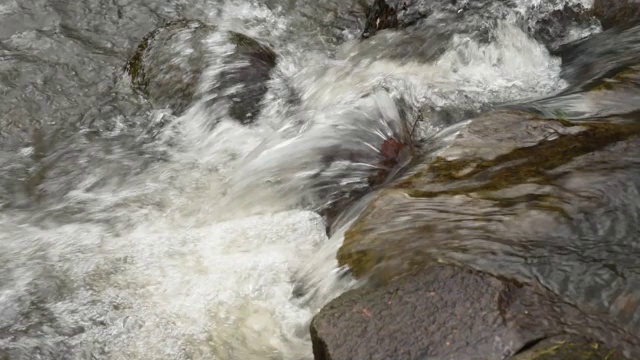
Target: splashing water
x: 192, y: 242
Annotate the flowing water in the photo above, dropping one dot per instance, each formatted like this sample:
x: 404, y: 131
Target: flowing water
x: 131, y: 232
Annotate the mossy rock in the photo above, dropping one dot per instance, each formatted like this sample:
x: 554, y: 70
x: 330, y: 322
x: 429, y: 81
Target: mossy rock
x: 617, y: 13
x: 497, y: 152
x: 510, y: 188
x: 169, y: 63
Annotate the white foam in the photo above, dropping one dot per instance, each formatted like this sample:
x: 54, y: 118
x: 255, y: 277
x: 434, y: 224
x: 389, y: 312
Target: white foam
x: 221, y: 291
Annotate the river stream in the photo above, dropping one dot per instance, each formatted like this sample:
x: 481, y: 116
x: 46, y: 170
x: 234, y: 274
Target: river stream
x: 128, y: 231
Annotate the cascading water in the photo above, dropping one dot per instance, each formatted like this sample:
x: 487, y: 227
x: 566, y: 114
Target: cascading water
x: 129, y: 232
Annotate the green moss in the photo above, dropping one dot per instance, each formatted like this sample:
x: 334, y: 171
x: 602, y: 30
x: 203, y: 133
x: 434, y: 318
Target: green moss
x: 135, y: 66
x: 621, y: 77
x: 481, y: 178
x: 527, y: 164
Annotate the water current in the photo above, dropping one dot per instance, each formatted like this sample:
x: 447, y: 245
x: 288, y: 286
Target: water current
x: 128, y: 231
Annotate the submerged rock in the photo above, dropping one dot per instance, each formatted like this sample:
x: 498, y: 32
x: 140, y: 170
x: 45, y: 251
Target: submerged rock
x: 442, y: 312
x: 617, y: 13
x: 168, y: 63
x: 242, y: 82
x: 453, y: 15
x: 423, y: 29
x: 497, y: 155
x: 380, y: 16
x: 442, y: 15
x: 613, y: 97
x: 187, y: 60
x: 337, y: 156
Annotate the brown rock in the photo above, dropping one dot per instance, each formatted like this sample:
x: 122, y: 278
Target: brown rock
x: 443, y: 313
x: 569, y: 348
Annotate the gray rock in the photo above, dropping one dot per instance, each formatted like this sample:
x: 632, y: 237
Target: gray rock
x: 588, y: 60
x: 170, y: 65
x: 442, y: 312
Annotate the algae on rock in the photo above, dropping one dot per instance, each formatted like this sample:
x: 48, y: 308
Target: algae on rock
x: 168, y: 63
x: 170, y: 68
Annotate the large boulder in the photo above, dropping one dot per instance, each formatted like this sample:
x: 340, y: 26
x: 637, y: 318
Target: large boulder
x: 539, y: 202
x: 538, y: 194
x: 617, y: 13
x: 168, y: 63
x: 497, y: 156
x: 444, y: 313
x: 187, y: 60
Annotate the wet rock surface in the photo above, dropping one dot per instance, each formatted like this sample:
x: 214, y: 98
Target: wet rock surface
x: 418, y: 15
x: 557, y: 175
x: 592, y: 59
x: 557, y: 27
x: 243, y: 82
x: 169, y: 63
x: 514, y: 186
x: 617, y: 13
x: 422, y: 30
x: 568, y: 348
x: 604, y: 78
x: 498, y: 155
x: 412, y: 318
